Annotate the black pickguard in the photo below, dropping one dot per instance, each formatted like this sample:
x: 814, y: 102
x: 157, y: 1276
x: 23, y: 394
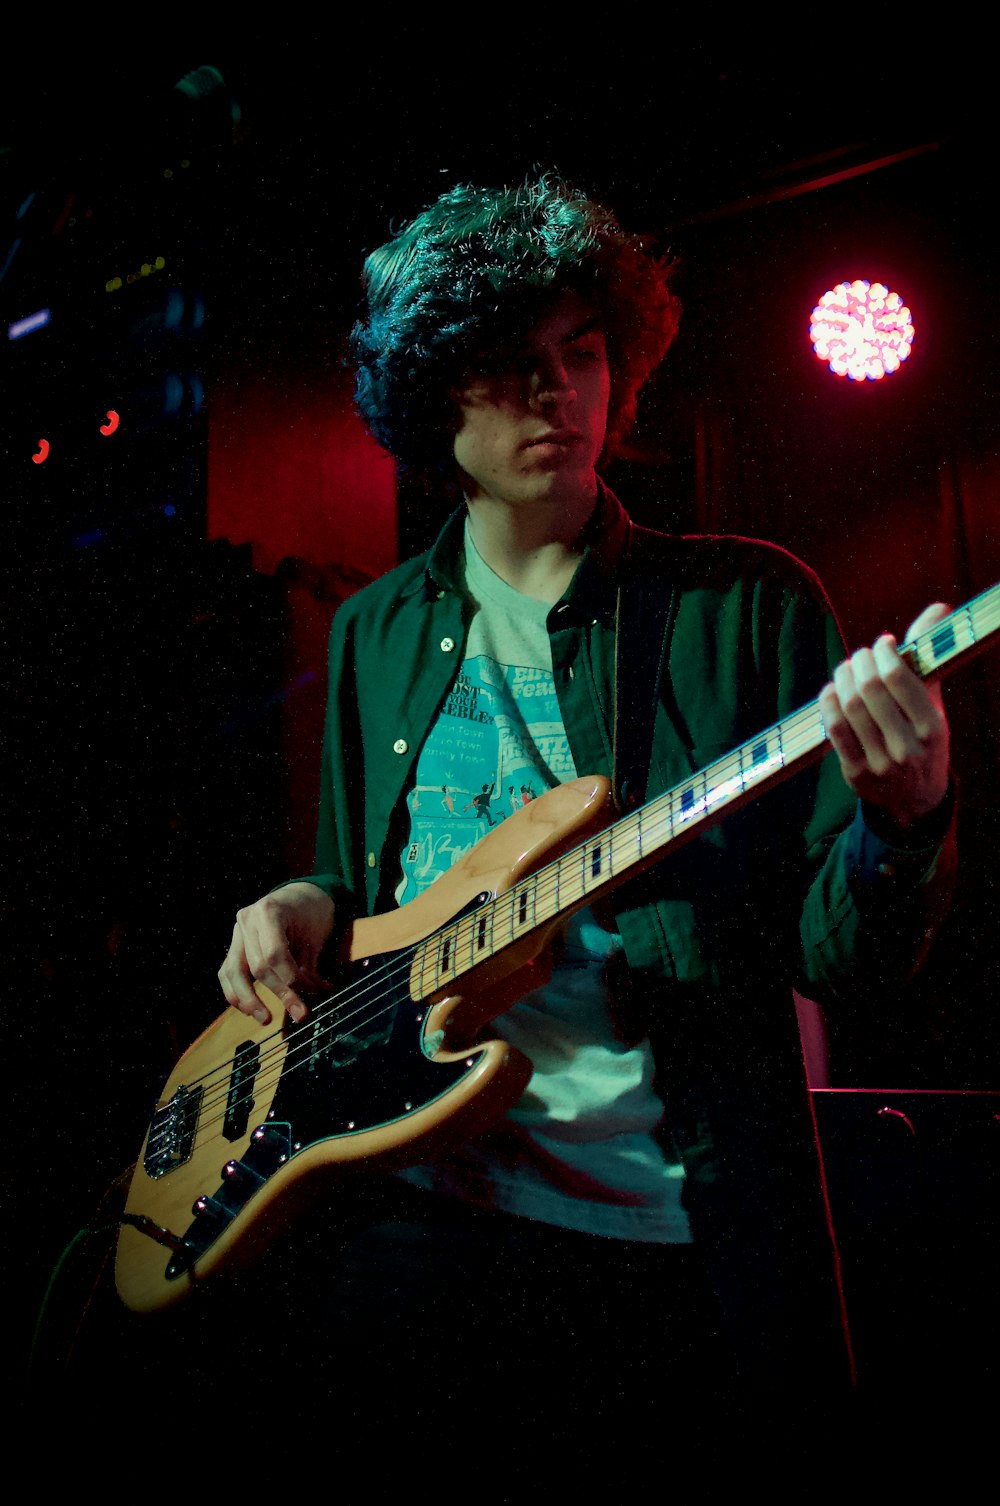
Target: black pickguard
x: 360, y: 1061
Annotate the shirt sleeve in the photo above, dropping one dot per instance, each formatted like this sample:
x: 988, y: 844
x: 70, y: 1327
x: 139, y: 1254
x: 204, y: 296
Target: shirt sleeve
x: 341, y: 799
x: 875, y: 853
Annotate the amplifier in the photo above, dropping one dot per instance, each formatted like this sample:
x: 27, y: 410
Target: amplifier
x: 914, y: 1184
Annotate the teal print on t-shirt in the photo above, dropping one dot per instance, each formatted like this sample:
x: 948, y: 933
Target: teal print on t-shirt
x: 498, y: 743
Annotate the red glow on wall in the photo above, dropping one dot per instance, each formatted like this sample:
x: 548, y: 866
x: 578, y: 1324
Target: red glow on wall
x: 293, y: 472
x: 861, y: 330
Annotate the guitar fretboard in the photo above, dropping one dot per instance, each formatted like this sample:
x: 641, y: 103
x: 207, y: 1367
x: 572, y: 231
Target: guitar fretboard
x: 607, y: 858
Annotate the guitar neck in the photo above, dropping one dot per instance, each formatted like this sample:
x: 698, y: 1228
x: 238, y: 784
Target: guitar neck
x: 639, y: 839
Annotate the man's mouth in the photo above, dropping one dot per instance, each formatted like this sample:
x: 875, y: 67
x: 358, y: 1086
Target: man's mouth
x: 564, y: 437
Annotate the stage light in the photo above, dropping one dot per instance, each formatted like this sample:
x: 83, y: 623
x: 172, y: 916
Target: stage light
x: 861, y: 330
x: 26, y: 326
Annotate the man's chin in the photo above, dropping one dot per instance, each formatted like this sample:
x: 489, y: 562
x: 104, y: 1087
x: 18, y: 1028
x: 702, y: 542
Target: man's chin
x: 560, y: 483
x: 558, y: 487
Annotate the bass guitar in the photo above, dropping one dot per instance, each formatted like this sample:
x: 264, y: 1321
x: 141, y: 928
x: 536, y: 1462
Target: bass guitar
x: 393, y: 1065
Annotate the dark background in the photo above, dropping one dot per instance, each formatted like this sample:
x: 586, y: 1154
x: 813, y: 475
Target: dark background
x: 163, y: 655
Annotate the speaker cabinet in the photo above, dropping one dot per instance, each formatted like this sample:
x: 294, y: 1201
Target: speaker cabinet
x: 914, y: 1188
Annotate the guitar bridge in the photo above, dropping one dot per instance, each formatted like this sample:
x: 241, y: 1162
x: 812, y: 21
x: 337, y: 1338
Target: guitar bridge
x: 171, y: 1135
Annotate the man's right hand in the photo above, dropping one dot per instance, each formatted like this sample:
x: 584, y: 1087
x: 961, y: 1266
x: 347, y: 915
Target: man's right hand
x: 277, y: 942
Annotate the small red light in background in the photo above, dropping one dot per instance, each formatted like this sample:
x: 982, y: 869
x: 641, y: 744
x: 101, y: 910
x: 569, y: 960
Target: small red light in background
x: 861, y: 330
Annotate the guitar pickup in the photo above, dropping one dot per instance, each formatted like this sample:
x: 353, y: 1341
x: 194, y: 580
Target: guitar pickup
x: 239, y: 1099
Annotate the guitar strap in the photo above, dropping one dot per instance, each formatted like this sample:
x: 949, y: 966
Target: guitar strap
x: 644, y: 616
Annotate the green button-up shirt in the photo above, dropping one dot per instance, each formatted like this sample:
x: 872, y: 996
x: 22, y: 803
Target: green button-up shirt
x: 793, y: 890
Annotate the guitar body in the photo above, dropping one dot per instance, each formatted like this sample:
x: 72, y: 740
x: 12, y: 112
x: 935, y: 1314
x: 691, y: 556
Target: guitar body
x: 254, y: 1119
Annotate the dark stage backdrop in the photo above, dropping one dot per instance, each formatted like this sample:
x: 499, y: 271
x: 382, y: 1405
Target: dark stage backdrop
x: 169, y: 588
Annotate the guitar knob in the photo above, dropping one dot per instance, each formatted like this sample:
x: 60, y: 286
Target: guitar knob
x: 241, y: 1178
x: 207, y: 1207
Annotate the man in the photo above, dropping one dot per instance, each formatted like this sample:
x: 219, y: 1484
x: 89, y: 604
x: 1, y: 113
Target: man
x: 645, y: 1225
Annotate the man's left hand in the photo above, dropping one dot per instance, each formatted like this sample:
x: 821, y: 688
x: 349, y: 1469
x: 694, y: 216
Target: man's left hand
x: 889, y: 729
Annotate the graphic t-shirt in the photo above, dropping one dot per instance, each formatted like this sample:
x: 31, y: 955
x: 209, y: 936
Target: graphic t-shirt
x: 579, y: 1148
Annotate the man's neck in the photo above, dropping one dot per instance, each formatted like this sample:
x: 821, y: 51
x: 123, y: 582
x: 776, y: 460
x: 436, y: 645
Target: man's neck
x: 535, y: 548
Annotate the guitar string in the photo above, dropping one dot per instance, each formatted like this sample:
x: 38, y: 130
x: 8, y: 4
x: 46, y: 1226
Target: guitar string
x: 658, y: 815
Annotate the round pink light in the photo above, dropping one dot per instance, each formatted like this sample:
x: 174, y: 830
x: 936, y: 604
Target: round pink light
x: 861, y: 330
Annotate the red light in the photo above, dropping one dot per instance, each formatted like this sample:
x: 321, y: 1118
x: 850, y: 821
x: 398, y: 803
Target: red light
x: 861, y: 330
x: 42, y: 453
x: 112, y: 423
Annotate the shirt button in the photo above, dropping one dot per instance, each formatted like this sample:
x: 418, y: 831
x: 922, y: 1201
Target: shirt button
x: 371, y: 860
x: 400, y: 745
x: 447, y: 644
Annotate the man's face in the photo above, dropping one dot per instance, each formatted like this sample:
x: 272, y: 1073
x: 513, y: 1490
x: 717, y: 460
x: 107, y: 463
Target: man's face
x: 532, y: 425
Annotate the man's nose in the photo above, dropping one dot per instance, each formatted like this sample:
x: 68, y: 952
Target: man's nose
x: 550, y: 383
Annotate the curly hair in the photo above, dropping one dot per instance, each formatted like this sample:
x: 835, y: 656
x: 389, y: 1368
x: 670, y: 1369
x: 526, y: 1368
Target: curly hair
x: 472, y: 273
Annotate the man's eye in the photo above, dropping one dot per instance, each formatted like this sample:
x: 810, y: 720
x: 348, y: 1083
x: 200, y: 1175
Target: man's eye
x: 507, y: 368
